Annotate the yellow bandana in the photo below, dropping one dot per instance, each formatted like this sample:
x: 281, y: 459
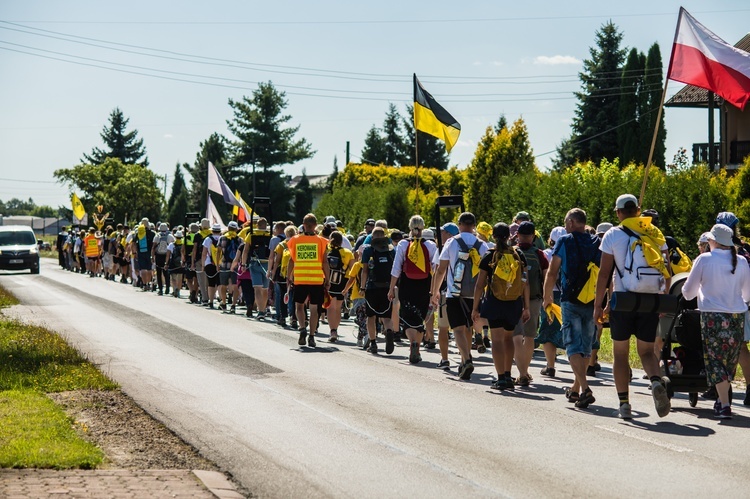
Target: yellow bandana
x: 652, y: 240
x: 475, y: 259
x: 205, y: 233
x: 554, y: 310
x: 141, y: 231
x: 416, y: 255
x: 506, y: 267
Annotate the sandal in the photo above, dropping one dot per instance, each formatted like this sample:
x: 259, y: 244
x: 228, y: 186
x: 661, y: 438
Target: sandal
x: 571, y: 395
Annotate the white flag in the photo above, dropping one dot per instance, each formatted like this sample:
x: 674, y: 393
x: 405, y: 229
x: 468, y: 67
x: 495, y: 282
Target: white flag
x: 216, y: 184
x: 212, y: 214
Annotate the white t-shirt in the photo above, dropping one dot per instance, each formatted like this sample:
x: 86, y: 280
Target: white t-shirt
x: 615, y: 242
x: 402, y: 248
x: 717, y: 289
x: 207, y: 243
x: 452, y: 248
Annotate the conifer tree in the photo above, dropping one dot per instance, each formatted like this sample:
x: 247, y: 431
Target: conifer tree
x: 123, y: 145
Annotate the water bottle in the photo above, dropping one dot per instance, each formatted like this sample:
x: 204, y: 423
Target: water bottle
x: 457, y: 276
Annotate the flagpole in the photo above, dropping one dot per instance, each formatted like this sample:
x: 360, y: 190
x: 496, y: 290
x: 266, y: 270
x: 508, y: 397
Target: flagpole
x: 416, y: 169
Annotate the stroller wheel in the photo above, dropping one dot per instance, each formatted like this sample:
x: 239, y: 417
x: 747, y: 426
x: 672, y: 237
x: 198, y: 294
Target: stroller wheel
x: 693, y: 399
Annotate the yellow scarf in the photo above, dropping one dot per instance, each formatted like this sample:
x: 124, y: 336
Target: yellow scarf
x: 506, y: 267
x: 475, y: 259
x: 652, y: 240
x: 230, y: 235
x: 416, y: 255
x: 141, y: 231
x: 205, y: 233
x: 554, y: 310
x: 178, y: 242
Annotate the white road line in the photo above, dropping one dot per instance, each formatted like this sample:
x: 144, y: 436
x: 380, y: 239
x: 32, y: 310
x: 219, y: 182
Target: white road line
x: 653, y: 441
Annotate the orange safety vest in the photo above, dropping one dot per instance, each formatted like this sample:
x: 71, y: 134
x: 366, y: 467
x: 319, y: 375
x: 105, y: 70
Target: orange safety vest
x: 92, y: 245
x: 307, y: 253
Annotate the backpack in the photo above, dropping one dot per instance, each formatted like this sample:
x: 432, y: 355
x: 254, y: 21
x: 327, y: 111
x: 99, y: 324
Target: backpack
x: 259, y: 242
x: 230, y: 249
x: 678, y: 261
x: 336, y: 266
x: 534, y: 271
x: 410, y: 268
x: 582, y: 286
x: 380, y: 265
x: 637, y: 276
x: 285, y: 257
x: 509, y: 262
x: 464, y: 278
x: 162, y: 245
x: 175, y: 262
x: 213, y: 249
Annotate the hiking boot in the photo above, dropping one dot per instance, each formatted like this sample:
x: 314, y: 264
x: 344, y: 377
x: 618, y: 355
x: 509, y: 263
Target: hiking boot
x: 465, y: 370
x: 625, y: 412
x: 373, y: 347
x: 591, y: 371
x: 548, y: 371
x: 444, y: 364
x: 389, y: 337
x: 585, y: 399
x: 302, y: 337
x: 661, y: 398
x: 334, y: 336
x: 480, y: 343
x: 414, y: 357
x: 311, y: 340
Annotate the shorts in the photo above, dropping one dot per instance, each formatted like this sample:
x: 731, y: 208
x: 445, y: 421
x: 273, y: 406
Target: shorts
x: 227, y: 277
x: 212, y: 274
x: 550, y: 333
x: 643, y: 325
x: 337, y: 291
x: 144, y: 261
x: 458, y: 311
x: 189, y: 274
x: 258, y: 270
x: 313, y: 291
x: 415, y: 302
x: 378, y: 304
x: 107, y: 260
x: 501, y: 314
x: 578, y: 328
x: 176, y: 270
x: 530, y: 329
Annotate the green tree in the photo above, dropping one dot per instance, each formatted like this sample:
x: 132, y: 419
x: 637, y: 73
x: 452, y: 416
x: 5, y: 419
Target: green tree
x: 125, y: 146
x: 43, y: 211
x: 654, y: 81
x: 630, y: 136
x: 127, y: 192
x: 15, y: 206
x: 332, y: 177
x: 432, y: 153
x: 500, y: 153
x: 566, y: 155
x: 177, y: 205
x: 394, y: 139
x: 215, y: 150
x: 303, y: 198
x: 263, y: 139
x: 596, y: 117
x: 374, y: 152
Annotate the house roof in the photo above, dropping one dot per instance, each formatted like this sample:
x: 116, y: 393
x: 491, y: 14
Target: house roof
x: 316, y: 181
x: 692, y: 96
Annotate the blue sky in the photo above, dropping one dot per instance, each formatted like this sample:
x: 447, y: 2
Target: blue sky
x: 340, y: 64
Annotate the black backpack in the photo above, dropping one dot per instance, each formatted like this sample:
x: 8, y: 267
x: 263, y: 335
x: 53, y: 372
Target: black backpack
x: 534, y: 271
x: 380, y: 264
x: 259, y: 242
x: 175, y: 261
x: 336, y: 266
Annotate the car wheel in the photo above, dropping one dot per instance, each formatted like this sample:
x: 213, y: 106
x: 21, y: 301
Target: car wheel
x: 35, y: 270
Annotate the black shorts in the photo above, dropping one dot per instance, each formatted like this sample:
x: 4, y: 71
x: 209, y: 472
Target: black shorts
x: 378, y: 304
x: 499, y: 313
x: 337, y: 291
x: 212, y: 274
x: 414, y: 302
x: 623, y: 325
x: 189, y: 274
x: 459, y: 311
x: 144, y: 261
x: 314, y: 291
x: 227, y: 277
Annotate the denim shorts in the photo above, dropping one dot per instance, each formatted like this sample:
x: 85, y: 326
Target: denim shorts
x: 258, y: 274
x: 578, y: 328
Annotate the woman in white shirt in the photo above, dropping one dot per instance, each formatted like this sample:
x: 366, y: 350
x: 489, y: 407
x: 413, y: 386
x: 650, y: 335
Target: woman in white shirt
x: 721, y: 281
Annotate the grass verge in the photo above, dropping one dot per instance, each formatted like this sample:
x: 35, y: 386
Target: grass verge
x: 34, y: 432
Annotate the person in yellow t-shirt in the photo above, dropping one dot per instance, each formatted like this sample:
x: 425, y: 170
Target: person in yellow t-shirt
x: 278, y: 271
x: 340, y: 261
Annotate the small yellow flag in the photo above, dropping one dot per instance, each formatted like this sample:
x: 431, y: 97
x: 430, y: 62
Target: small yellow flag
x: 78, y: 210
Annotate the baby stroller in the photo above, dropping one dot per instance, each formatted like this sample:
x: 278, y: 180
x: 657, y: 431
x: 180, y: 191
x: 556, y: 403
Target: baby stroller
x: 684, y: 364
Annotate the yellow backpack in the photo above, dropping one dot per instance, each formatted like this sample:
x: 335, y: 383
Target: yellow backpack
x: 506, y: 281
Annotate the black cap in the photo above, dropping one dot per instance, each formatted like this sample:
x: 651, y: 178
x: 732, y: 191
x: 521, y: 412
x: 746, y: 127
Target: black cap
x: 527, y: 228
x: 370, y: 221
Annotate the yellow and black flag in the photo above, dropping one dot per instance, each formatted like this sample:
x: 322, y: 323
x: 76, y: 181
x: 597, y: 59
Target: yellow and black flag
x: 432, y: 118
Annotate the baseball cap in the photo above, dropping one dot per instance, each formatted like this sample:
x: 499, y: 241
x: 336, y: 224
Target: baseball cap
x: 526, y: 228
x: 450, y: 228
x: 233, y: 225
x: 624, y: 199
x: 727, y: 218
x: 557, y: 233
x: 370, y: 221
x: 603, y: 227
x: 216, y: 228
x: 523, y: 215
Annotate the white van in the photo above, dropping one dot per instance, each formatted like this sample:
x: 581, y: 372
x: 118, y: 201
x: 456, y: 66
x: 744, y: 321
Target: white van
x: 18, y: 248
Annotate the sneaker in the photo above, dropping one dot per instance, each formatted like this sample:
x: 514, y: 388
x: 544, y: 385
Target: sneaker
x: 524, y: 380
x: 160, y: 293
x: 486, y: 342
x: 571, y: 395
x: 480, y: 344
x: 548, y: 371
x: 311, y: 340
x: 747, y: 397
x: 302, y: 337
x: 591, y: 371
x: 249, y: 314
x: 373, y: 347
x: 414, y: 357
x: 398, y: 336
x: 717, y: 408
x: 211, y: 305
x: 500, y: 384
x: 261, y: 316
x: 444, y: 364
x: 360, y: 340
x: 711, y: 394
x: 334, y: 336
x: 281, y: 323
x: 661, y: 398
x: 233, y: 309
x: 430, y: 345
x: 389, y: 342
x: 725, y: 412
x: 223, y: 307
x: 365, y: 342
x: 585, y: 399
x: 597, y: 367
x: 465, y: 370
x: 625, y: 412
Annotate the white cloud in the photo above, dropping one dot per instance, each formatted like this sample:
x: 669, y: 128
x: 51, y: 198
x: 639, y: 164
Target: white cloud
x: 477, y: 63
x: 556, y: 60
x: 498, y: 63
x: 168, y: 136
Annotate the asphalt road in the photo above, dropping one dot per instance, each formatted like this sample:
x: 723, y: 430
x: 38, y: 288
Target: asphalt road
x: 336, y: 421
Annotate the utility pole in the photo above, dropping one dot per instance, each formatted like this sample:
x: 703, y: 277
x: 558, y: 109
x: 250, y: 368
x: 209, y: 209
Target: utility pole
x: 347, y: 152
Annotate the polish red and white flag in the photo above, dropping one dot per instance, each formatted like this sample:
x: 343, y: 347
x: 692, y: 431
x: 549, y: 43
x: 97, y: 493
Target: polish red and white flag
x: 701, y: 58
